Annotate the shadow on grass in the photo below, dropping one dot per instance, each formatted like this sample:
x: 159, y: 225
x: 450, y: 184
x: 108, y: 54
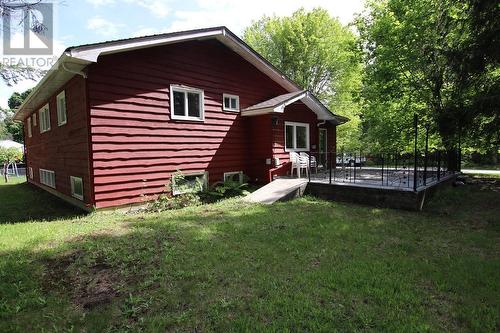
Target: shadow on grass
x: 307, y: 265
x: 22, y: 202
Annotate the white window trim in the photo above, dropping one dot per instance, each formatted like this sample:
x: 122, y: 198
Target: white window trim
x: 232, y: 173
x: 296, y: 124
x: 62, y: 95
x: 224, y: 96
x: 186, y: 90
x: 73, y: 194
x: 45, y: 107
x: 202, y: 173
x: 30, y: 132
x: 30, y: 169
x: 47, y: 171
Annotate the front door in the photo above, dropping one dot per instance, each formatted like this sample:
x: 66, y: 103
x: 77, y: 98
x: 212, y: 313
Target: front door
x: 323, y: 147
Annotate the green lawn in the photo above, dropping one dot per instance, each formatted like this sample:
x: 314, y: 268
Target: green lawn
x: 305, y: 265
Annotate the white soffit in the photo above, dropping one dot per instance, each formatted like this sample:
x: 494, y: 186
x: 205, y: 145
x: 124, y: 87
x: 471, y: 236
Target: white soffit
x: 75, y: 59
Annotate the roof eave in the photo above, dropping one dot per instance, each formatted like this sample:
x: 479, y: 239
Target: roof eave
x: 87, y: 54
x: 56, y: 77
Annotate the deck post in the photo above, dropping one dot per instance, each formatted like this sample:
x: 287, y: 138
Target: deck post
x: 439, y: 165
x: 415, y: 161
x: 329, y: 156
x: 382, y: 169
x: 426, y: 152
x: 354, y: 167
x: 310, y: 169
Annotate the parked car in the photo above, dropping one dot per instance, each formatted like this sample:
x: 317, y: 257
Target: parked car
x: 350, y: 159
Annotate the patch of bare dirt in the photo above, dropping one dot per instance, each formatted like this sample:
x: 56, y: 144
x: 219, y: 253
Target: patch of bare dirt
x: 89, y: 287
x: 98, y: 288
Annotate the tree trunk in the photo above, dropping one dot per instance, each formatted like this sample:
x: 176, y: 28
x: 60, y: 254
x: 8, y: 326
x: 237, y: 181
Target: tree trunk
x: 453, y: 160
x: 5, y: 172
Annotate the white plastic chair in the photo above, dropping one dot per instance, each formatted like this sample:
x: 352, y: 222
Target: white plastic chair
x: 298, y: 163
x: 311, y: 161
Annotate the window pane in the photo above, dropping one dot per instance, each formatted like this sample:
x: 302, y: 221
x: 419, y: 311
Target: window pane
x: 233, y: 177
x: 78, y: 187
x: 301, y: 137
x: 194, y: 105
x: 289, y: 136
x: 179, y: 103
x: 61, y: 108
x: 227, y: 103
x: 233, y: 103
x: 47, y: 119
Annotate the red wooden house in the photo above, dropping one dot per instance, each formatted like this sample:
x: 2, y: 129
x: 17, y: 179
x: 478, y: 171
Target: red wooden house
x: 111, y: 122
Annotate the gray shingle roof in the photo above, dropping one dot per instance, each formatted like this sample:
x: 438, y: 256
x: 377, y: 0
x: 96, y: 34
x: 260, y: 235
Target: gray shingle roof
x: 275, y: 101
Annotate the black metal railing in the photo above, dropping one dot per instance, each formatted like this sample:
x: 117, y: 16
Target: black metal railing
x: 401, y: 170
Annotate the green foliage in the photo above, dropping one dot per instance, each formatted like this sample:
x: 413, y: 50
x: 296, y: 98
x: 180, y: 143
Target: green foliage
x: 16, y: 99
x: 167, y: 201
x: 318, y: 53
x: 8, y: 155
x: 303, y: 265
x: 9, y: 129
x: 435, y: 58
x: 228, y: 189
x: 192, y: 194
x: 188, y: 194
x: 3, y: 130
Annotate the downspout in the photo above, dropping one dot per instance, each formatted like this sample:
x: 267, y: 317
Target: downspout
x: 321, y: 123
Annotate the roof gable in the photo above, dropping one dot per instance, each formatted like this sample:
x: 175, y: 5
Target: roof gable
x: 75, y: 59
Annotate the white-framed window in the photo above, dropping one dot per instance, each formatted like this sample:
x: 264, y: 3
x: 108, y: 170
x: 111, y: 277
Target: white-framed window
x: 186, y: 103
x: 28, y: 126
x: 296, y: 136
x: 189, y: 183
x: 231, y: 102
x: 44, y: 116
x: 48, y: 178
x: 234, y: 176
x: 34, y: 119
x: 30, y: 169
x: 61, y: 108
x: 76, y: 187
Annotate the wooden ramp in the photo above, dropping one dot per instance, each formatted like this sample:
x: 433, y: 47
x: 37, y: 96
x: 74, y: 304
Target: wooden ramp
x: 278, y: 190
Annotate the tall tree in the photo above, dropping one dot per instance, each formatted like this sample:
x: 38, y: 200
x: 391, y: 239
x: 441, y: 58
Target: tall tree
x: 13, y: 130
x: 320, y: 54
x: 426, y: 57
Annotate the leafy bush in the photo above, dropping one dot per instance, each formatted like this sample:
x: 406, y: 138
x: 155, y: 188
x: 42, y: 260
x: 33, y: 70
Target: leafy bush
x: 8, y: 155
x: 229, y: 189
x: 193, y: 197
x: 167, y: 201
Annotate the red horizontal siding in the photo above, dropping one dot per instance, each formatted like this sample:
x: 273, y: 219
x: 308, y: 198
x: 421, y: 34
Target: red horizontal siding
x: 64, y: 149
x: 136, y: 146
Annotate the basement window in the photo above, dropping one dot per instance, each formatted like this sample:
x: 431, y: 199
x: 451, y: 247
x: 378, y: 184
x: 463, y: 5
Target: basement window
x: 76, y: 187
x: 186, y: 103
x: 189, y: 183
x: 231, y: 103
x: 236, y: 176
x: 296, y: 136
x: 48, y: 178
